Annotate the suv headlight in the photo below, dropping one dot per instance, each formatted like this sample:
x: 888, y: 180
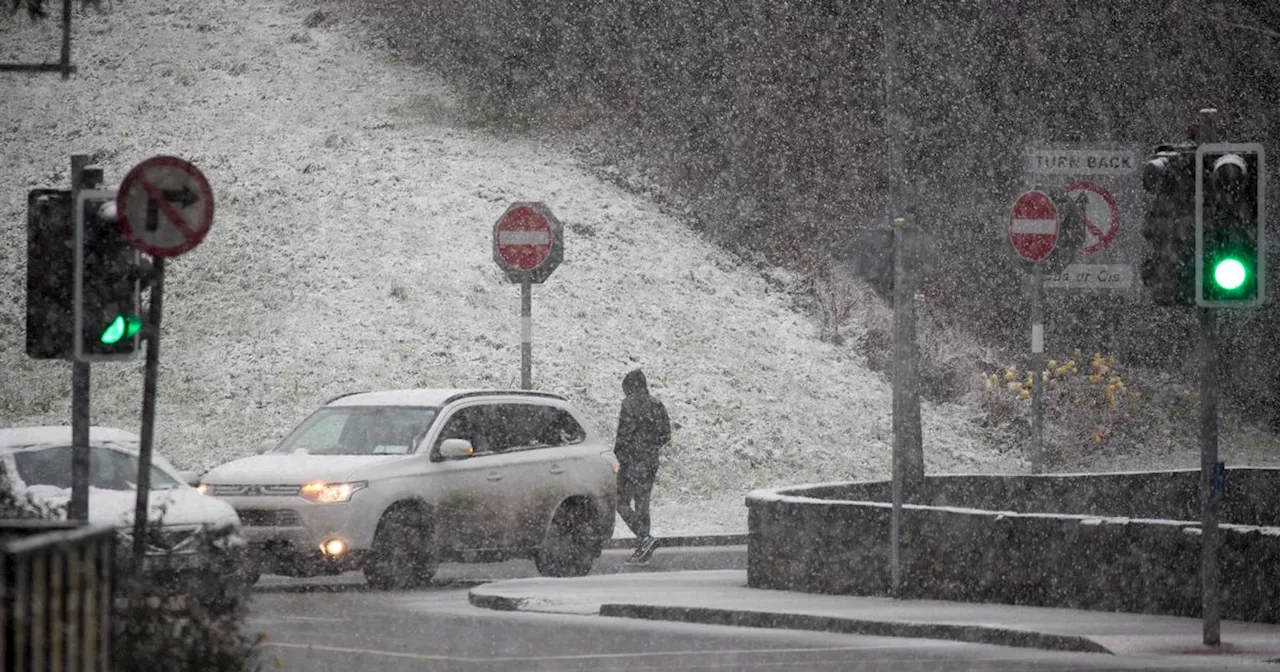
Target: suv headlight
x: 328, y: 493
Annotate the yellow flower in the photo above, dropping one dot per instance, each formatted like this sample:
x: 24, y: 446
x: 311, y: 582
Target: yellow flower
x: 1010, y: 375
x: 1025, y: 394
x: 1053, y: 363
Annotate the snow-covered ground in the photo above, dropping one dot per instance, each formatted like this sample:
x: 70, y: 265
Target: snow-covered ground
x: 351, y: 251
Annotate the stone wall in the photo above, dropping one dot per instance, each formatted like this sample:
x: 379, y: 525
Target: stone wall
x: 1122, y: 542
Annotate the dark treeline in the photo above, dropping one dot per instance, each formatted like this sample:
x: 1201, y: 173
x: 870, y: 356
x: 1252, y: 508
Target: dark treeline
x: 767, y: 121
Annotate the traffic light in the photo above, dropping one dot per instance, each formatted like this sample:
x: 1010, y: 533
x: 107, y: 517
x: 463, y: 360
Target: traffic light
x: 106, y: 286
x: 1230, y: 222
x: 50, y: 264
x: 1168, y: 227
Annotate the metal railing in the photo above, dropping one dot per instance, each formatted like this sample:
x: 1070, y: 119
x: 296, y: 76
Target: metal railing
x: 57, y: 595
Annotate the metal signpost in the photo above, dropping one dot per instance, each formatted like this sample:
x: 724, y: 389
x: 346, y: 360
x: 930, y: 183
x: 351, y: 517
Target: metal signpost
x: 528, y: 244
x: 1033, y: 232
x: 165, y: 207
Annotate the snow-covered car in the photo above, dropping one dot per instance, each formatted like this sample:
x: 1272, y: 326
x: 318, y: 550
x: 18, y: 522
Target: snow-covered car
x: 36, y: 462
x: 395, y: 482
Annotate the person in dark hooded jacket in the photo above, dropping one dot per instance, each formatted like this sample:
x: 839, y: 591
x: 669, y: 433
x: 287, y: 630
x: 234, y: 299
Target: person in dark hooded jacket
x: 643, y: 429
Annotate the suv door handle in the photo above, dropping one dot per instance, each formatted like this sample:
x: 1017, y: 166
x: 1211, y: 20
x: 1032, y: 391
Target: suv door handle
x: 495, y: 476
x: 557, y: 469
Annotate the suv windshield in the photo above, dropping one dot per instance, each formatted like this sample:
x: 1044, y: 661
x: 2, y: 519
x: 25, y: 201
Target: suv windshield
x: 359, y: 430
x: 108, y: 469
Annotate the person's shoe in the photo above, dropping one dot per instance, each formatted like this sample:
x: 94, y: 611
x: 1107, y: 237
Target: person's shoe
x: 645, y: 550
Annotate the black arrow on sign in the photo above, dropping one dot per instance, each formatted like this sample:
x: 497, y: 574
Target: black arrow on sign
x: 183, y: 197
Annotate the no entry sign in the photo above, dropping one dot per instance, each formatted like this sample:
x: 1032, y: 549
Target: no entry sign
x: 165, y: 206
x: 528, y: 242
x: 1033, y: 226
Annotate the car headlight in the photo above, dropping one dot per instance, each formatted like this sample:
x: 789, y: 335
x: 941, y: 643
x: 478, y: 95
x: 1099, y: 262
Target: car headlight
x: 327, y: 493
x: 203, y: 488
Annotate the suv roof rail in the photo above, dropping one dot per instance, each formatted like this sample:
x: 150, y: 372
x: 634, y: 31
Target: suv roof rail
x: 482, y: 393
x: 344, y: 394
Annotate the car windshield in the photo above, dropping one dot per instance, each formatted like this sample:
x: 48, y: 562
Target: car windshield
x: 360, y: 430
x: 108, y: 469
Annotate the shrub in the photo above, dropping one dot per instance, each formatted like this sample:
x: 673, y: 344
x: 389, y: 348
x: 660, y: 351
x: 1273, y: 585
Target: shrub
x: 1088, y: 405
x: 186, y: 621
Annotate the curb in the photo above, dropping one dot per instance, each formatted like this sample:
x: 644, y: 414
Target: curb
x: 974, y: 634
x: 679, y: 542
x: 494, y: 602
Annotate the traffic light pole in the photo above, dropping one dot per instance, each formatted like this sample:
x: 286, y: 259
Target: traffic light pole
x: 1210, y: 490
x: 1210, y: 479
x: 148, y: 415
x: 78, y: 507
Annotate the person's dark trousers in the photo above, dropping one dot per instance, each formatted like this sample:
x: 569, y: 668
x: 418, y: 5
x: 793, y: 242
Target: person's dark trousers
x: 634, y: 489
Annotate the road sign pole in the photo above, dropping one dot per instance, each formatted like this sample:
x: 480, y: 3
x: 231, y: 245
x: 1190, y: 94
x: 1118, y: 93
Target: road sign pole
x: 78, y: 506
x: 1210, y: 597
x: 526, y: 335
x: 1037, y: 367
x: 148, y: 415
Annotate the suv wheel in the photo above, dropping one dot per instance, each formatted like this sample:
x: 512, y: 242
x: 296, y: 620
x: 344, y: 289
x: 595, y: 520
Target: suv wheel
x: 570, y: 546
x: 401, y: 553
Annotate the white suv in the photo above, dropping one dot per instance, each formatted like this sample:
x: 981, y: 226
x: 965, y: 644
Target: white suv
x: 396, y: 482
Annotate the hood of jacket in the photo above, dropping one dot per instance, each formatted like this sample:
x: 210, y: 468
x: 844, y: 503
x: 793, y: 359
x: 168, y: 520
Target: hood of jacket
x: 634, y: 383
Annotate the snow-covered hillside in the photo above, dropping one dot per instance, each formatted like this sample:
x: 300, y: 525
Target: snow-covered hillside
x: 351, y: 250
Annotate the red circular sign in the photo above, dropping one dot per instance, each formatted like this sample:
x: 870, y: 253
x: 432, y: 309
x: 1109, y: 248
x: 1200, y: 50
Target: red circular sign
x: 524, y: 238
x: 1033, y: 226
x: 165, y: 206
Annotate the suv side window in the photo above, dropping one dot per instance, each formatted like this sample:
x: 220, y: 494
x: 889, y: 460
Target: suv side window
x: 531, y: 426
x: 561, y: 427
x: 495, y: 428
x: 468, y: 424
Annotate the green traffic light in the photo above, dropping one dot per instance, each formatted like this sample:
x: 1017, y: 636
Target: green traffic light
x: 124, y: 326
x: 1229, y: 274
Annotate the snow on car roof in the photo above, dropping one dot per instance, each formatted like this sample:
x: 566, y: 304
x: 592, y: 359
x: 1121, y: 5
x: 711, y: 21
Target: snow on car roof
x: 420, y: 397
x: 24, y: 437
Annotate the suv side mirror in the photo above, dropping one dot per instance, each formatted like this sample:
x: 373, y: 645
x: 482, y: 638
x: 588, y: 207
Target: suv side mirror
x: 455, y: 448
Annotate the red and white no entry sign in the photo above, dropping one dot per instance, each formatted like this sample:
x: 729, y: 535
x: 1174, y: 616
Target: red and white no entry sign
x: 165, y: 206
x: 524, y: 237
x: 528, y: 242
x: 1033, y: 226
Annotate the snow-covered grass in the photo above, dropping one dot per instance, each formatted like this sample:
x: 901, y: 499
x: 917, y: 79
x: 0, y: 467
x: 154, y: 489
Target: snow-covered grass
x: 351, y: 251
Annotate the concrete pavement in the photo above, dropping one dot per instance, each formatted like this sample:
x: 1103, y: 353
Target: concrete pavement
x: 721, y: 597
